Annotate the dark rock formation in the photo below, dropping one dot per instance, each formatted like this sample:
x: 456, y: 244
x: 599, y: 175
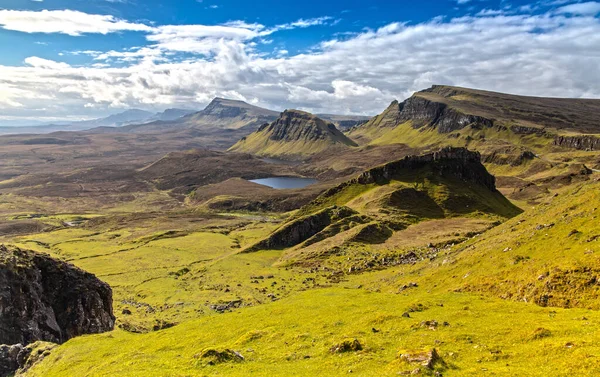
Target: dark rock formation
x: 524, y: 130
x: 583, y: 142
x: 302, y: 229
x: 448, y: 109
x: 45, y: 299
x: 423, y: 112
x: 444, y: 118
x: 447, y: 162
x: 295, y: 125
x: 10, y: 359
x: 20, y: 359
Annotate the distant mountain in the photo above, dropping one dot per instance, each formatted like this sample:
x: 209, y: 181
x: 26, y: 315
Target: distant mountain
x: 170, y: 114
x: 116, y: 120
x: 345, y: 122
x: 132, y: 116
x: 220, y: 115
x: 230, y: 114
x: 294, y: 134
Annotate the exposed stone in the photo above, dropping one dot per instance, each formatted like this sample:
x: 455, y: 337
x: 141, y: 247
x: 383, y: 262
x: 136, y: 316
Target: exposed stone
x: 45, y: 299
x: 448, y: 162
x: 428, y: 359
x: 302, y: 229
x: 423, y: 112
x: 213, y: 356
x: 15, y: 360
x: 349, y: 345
x: 583, y: 142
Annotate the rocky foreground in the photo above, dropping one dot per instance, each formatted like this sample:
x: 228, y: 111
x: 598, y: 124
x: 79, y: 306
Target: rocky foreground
x: 43, y: 299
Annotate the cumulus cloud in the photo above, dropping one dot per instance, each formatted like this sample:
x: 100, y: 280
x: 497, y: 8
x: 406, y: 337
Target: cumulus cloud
x: 552, y: 54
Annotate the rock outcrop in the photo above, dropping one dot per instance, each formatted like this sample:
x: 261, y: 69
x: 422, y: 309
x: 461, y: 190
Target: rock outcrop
x: 424, y: 112
x: 447, y: 162
x: 448, y: 109
x: 295, y: 133
x: 45, y: 299
x: 301, y: 229
x: 17, y: 359
x: 294, y: 125
x: 582, y: 142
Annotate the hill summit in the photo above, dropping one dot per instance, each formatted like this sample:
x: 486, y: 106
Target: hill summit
x: 230, y: 114
x: 294, y: 134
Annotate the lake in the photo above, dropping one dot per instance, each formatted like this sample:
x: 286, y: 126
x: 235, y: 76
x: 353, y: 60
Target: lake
x: 281, y: 183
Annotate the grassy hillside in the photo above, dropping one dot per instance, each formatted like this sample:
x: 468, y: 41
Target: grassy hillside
x: 533, y: 145
x: 382, y: 202
x: 476, y: 303
x: 296, y: 134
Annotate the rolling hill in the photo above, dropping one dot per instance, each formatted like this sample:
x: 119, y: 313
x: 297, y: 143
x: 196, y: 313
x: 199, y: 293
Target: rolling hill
x: 295, y: 134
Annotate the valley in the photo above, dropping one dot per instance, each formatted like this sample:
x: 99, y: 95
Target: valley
x: 454, y: 234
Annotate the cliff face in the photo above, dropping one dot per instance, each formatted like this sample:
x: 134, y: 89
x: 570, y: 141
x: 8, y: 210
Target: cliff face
x: 448, y: 109
x: 302, y: 229
x: 294, y: 134
x: 583, y: 142
x: 45, y: 299
x: 424, y: 112
x: 295, y: 125
x: 448, y: 162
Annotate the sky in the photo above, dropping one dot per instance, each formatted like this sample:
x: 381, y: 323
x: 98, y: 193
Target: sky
x: 81, y: 59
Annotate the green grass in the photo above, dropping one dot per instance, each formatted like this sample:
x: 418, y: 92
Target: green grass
x: 293, y: 337
x: 490, y: 289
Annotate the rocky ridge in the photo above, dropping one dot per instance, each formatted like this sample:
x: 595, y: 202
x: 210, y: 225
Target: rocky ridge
x: 455, y: 162
x: 294, y: 133
x: 45, y: 299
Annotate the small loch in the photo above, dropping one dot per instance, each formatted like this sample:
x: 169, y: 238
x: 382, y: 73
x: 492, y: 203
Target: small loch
x: 282, y: 183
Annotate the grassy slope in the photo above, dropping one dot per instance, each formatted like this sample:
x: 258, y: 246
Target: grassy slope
x: 293, y: 335
x: 258, y: 143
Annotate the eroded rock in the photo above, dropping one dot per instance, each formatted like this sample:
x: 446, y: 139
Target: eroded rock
x: 45, y: 299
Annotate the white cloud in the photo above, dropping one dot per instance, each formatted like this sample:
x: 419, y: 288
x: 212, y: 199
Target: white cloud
x: 590, y: 8
x: 548, y: 55
x: 69, y: 22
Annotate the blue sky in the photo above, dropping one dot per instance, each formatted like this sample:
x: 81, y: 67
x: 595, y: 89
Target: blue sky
x: 86, y: 58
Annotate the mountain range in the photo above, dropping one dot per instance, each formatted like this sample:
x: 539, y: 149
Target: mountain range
x: 116, y: 120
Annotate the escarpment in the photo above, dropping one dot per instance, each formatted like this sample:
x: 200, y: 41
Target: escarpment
x: 424, y: 112
x: 299, y: 125
x: 302, y: 229
x: 294, y: 134
x: 583, y: 142
x: 45, y: 299
x: 447, y: 162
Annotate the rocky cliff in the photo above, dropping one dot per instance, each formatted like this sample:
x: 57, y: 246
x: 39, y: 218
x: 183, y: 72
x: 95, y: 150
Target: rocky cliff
x: 424, y: 112
x: 448, y: 109
x: 582, y: 142
x: 447, y: 162
x: 301, y: 229
x: 45, y: 299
